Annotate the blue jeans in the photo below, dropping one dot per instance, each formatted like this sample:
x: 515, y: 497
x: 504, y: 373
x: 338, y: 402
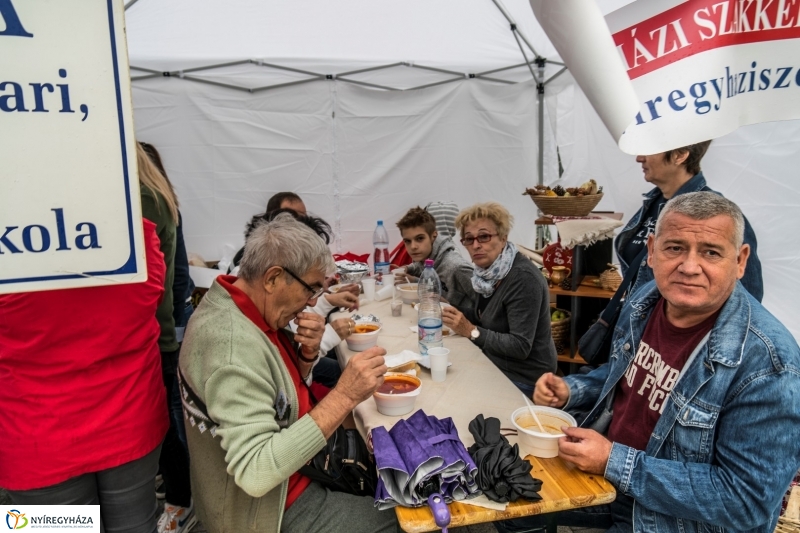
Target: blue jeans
x: 176, y: 412
x: 174, y: 460
x: 327, y: 372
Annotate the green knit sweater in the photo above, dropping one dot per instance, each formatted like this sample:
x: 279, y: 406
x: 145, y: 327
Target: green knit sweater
x: 240, y: 476
x: 155, y: 209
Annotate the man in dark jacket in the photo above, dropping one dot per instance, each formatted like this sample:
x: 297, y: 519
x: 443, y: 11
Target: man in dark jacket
x: 674, y: 173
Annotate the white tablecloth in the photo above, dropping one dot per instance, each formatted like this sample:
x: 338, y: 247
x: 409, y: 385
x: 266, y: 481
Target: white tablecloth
x: 473, y: 385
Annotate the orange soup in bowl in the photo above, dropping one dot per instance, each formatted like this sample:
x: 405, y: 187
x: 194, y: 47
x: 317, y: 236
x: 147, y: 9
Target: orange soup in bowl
x: 398, y: 384
x: 365, y: 328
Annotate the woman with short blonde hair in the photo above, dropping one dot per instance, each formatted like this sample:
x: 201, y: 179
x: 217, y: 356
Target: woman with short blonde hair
x: 510, y: 320
x: 503, y: 220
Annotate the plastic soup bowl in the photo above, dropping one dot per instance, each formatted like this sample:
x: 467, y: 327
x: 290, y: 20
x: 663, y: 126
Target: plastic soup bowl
x: 393, y: 401
x: 408, y: 293
x: 358, y: 342
x: 531, y: 440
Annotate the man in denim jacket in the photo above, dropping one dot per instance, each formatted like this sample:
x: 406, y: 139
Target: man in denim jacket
x: 718, y: 427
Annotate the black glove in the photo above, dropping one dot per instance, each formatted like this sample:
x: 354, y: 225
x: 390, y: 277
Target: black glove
x: 502, y: 474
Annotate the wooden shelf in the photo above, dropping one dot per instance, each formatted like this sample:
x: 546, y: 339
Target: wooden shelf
x: 548, y: 221
x: 564, y: 357
x: 587, y: 289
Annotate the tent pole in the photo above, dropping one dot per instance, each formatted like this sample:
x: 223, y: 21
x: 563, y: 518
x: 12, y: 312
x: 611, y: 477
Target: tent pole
x: 541, y: 133
x: 434, y: 84
x: 540, y: 82
x: 511, y: 21
x: 498, y: 80
x: 521, y: 49
x: 277, y: 85
x: 365, y: 84
x: 557, y: 74
x: 370, y: 69
x: 540, y: 62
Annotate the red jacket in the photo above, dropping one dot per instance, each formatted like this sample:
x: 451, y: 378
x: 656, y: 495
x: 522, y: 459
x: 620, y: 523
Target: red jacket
x: 80, y: 378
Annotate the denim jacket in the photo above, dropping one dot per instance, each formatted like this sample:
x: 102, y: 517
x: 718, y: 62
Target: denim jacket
x: 727, y: 443
x: 752, y: 277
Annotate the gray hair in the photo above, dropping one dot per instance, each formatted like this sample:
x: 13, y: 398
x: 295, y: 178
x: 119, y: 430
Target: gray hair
x: 287, y: 243
x: 703, y: 206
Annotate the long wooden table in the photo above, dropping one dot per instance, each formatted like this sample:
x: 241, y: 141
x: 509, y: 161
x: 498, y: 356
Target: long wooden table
x: 474, y: 385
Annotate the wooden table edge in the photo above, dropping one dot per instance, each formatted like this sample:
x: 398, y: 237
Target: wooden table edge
x: 464, y: 514
x: 458, y: 520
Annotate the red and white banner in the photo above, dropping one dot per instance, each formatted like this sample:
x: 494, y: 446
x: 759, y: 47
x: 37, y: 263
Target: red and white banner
x: 700, y: 68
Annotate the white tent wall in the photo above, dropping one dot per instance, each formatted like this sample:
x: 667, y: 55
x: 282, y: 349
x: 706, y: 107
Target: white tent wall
x: 755, y: 166
x: 355, y: 154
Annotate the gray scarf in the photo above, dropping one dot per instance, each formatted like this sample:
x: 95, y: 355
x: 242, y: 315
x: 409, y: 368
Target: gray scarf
x: 484, y: 279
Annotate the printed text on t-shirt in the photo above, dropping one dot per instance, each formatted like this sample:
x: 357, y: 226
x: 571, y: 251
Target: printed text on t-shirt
x: 658, y: 380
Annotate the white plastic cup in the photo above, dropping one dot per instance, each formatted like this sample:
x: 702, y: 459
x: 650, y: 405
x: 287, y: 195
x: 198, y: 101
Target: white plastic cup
x: 397, y: 307
x: 400, y: 275
x: 388, y: 280
x: 368, y: 284
x: 439, y: 360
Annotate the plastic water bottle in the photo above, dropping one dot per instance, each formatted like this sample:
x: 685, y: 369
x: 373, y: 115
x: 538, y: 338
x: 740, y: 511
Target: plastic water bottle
x: 380, y: 240
x: 429, y: 325
x: 429, y: 284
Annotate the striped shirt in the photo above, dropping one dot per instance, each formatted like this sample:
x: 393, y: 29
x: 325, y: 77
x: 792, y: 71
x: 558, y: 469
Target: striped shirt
x: 445, y: 214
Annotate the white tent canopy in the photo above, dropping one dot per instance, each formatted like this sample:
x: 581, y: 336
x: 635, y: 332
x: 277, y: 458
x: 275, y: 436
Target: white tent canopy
x: 357, y: 154
x: 338, y: 142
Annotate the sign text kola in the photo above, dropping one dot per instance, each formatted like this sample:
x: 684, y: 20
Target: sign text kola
x: 37, y: 238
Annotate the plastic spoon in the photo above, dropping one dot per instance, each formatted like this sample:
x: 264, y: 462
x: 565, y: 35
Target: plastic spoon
x: 533, y: 414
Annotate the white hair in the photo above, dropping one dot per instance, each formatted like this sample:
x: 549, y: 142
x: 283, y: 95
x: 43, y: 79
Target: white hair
x: 703, y: 206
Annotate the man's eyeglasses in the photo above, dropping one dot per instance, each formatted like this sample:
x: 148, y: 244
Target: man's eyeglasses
x: 483, y: 238
x: 315, y: 293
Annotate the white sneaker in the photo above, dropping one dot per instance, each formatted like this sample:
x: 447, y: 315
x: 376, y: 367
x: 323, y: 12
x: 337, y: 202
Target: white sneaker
x: 176, y: 519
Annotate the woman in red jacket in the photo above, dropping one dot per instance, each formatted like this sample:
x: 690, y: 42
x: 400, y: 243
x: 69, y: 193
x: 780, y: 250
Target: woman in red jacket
x: 82, y: 398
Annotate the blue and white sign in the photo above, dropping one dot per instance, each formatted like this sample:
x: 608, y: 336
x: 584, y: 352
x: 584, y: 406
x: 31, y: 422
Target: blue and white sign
x: 70, y: 214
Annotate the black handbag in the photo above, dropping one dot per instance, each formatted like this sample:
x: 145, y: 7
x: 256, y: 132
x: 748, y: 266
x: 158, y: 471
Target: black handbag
x: 344, y: 464
x: 595, y: 345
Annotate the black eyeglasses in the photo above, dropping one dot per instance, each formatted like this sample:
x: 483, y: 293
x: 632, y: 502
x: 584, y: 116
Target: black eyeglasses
x: 315, y: 293
x: 483, y: 238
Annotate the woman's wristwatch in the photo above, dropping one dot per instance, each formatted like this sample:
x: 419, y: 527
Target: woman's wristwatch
x: 474, y: 334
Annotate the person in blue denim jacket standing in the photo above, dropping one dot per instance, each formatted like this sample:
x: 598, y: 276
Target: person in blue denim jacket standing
x: 674, y: 173
x: 695, y: 435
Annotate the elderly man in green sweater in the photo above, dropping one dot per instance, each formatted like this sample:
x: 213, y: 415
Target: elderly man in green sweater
x: 241, y: 361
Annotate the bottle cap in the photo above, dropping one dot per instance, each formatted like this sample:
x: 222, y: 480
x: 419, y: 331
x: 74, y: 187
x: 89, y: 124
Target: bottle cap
x: 380, y: 222
x: 428, y: 263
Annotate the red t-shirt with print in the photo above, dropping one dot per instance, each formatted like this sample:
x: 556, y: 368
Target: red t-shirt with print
x: 643, y: 391
x: 297, y: 481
